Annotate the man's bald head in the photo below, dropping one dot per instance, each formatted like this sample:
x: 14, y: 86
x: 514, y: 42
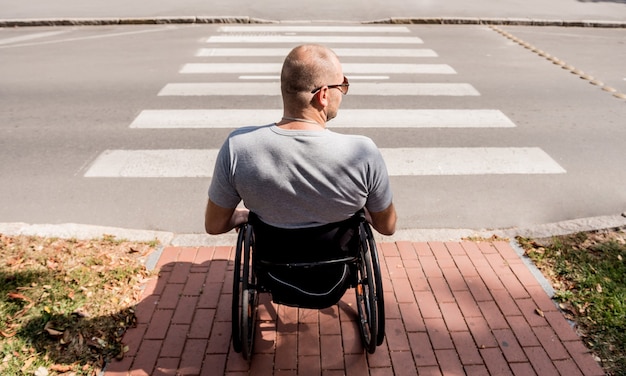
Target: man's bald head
x: 305, y: 68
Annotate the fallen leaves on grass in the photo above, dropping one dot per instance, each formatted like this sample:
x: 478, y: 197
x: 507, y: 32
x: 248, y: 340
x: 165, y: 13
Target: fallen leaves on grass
x: 588, y: 273
x: 66, y: 304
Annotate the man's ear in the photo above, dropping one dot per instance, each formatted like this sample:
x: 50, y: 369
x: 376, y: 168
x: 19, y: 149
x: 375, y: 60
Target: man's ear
x: 323, y: 96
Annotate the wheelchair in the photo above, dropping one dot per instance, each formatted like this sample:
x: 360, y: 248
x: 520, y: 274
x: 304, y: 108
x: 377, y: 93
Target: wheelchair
x: 307, y: 268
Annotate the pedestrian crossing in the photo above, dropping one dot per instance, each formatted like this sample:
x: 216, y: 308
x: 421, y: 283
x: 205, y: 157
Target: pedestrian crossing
x: 245, y: 60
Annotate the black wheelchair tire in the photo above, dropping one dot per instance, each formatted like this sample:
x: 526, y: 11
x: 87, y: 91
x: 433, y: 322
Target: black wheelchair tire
x: 237, y: 292
x: 249, y: 299
x: 367, y: 306
x: 378, y: 283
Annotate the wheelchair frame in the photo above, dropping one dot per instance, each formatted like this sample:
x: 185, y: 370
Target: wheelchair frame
x: 367, y: 284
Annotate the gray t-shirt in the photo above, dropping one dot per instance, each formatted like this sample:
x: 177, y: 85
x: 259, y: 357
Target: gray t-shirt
x: 299, y: 178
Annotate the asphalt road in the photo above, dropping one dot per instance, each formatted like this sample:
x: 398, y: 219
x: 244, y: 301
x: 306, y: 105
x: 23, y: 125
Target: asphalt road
x: 70, y: 93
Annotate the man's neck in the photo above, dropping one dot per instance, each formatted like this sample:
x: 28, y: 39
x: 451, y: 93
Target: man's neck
x: 303, y: 123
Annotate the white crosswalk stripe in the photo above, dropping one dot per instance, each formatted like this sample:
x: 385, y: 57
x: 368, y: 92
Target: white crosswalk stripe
x: 312, y: 29
x: 273, y: 88
x: 252, y: 55
x: 323, y: 39
x: 348, y: 69
x: 280, y: 53
x: 186, y: 163
x: 276, y: 77
x: 348, y: 118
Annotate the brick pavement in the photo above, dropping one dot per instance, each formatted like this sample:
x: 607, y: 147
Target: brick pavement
x: 453, y: 308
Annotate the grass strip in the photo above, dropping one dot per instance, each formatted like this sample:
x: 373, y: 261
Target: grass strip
x: 66, y: 304
x: 588, y: 273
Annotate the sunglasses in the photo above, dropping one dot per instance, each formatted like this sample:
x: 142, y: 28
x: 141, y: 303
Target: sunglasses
x: 343, y: 87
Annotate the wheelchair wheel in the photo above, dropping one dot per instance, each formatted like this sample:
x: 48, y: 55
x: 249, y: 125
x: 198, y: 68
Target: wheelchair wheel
x: 245, y: 297
x: 369, y: 295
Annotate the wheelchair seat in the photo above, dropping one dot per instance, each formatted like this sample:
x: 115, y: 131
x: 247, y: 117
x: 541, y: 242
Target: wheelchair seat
x: 307, y: 267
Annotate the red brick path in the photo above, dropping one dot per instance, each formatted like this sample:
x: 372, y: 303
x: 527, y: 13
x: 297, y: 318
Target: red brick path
x: 453, y: 308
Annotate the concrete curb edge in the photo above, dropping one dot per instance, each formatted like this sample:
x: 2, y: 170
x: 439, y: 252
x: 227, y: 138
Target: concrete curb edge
x: 167, y: 239
x: 251, y: 20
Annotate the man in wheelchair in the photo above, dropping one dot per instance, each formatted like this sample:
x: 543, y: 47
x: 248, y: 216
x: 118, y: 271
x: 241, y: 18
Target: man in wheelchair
x: 309, y: 193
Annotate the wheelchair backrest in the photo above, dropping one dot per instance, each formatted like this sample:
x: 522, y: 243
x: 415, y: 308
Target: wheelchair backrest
x: 305, y: 245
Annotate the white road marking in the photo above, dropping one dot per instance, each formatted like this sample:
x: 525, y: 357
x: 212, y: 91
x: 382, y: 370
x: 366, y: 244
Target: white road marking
x: 277, y: 78
x: 469, y: 161
x: 363, y: 68
x: 28, y: 37
x: 92, y: 37
x: 312, y: 29
x: 169, y: 163
x: 366, y: 68
x: 182, y: 163
x: 293, y: 39
x: 259, y: 77
x: 273, y: 88
x: 366, y: 77
x: 342, y: 52
x: 347, y: 118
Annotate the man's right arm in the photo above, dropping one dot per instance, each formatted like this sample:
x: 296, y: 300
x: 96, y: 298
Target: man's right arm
x: 218, y: 220
x: 384, y: 221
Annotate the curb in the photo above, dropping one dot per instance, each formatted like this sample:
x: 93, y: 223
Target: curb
x: 252, y: 20
x: 167, y: 239
x: 27, y: 22
x: 500, y: 21
x: 84, y: 232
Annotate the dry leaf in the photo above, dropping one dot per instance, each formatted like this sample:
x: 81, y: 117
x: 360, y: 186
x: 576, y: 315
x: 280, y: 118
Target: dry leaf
x: 80, y: 313
x: 120, y: 356
x: 96, y: 342
x: 15, y: 295
x: 539, y: 312
x: 67, y: 338
x: 60, y: 367
x: 7, y: 334
x: 27, y: 364
x: 565, y: 306
x: 51, y: 331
